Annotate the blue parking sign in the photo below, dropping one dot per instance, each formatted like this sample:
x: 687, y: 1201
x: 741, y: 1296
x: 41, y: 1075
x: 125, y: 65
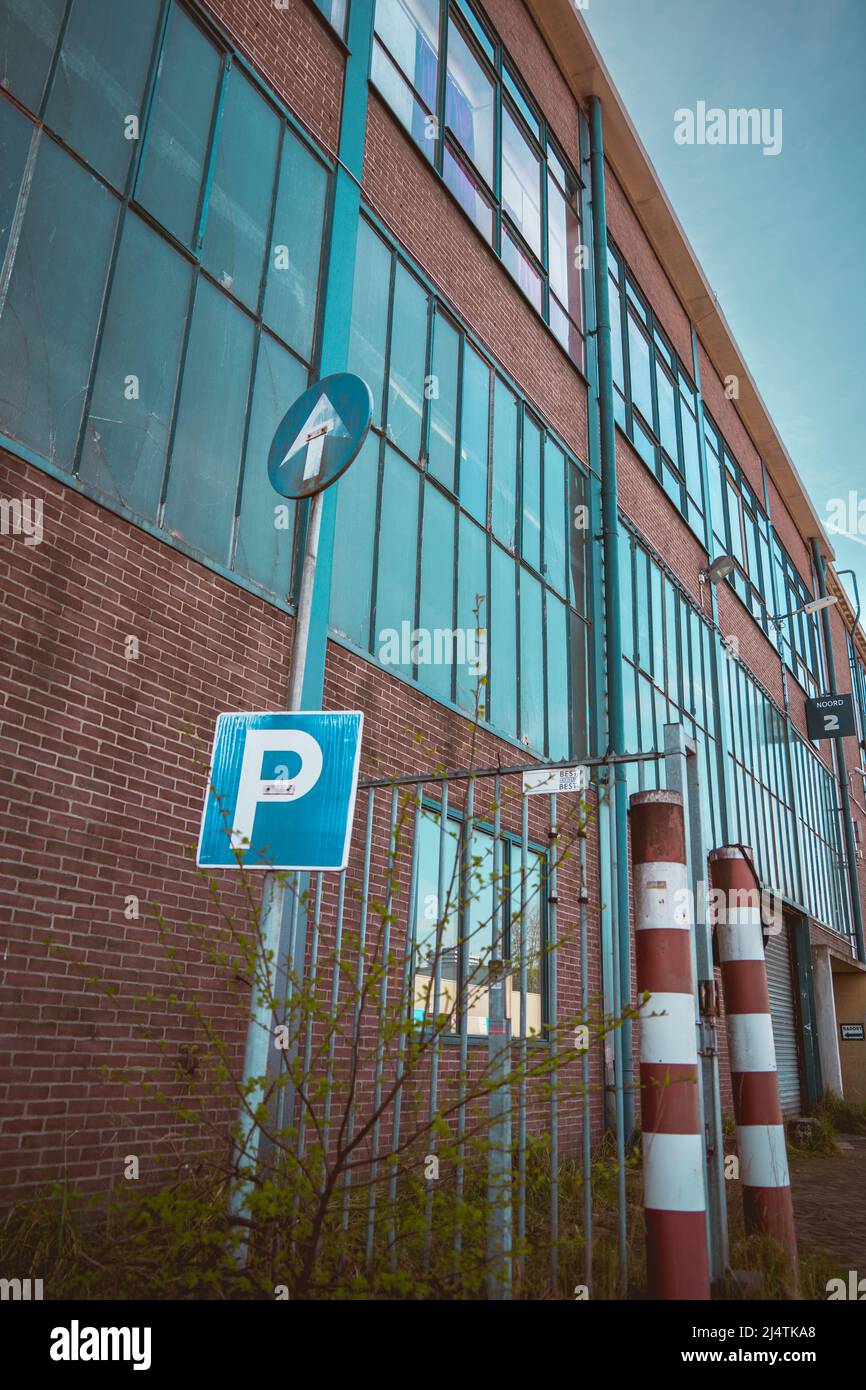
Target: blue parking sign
x: 282, y: 790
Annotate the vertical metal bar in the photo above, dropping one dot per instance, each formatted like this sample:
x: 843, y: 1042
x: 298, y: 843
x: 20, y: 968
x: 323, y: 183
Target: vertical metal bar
x: 465, y: 922
x: 335, y: 999
x: 380, y: 1039
x: 682, y: 774
x: 441, y: 905
x: 407, y: 1007
x: 521, y: 1084
x: 553, y: 1043
x: 622, y: 1231
x: 359, y: 986
x: 308, y: 1035
x: 499, y: 1095
x: 585, y: 1078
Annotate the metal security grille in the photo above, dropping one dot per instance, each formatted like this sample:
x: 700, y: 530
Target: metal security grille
x: 785, y: 1024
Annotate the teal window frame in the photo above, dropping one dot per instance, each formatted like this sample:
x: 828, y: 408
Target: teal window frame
x: 469, y: 521
x: 228, y: 62
x: 434, y: 137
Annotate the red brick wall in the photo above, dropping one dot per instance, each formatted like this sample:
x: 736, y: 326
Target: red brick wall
x: 105, y: 769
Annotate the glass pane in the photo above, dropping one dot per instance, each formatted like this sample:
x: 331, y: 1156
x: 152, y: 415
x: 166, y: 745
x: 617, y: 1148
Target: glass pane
x: 240, y: 198
x: 130, y: 414
x: 521, y: 103
x: 692, y: 459
x: 531, y: 493
x: 435, y: 923
x: 616, y: 334
x: 564, y: 243
x: 468, y: 194
x: 524, y: 273
x: 177, y: 139
x: 352, y: 563
x: 370, y: 313
x: 477, y: 892
x: 267, y: 522
x: 398, y: 560
x: 577, y: 519
x: 579, y: 686
x: 521, y: 182
x: 409, y: 30
x: 407, y: 362
x: 28, y: 34
x: 443, y: 401
x: 99, y: 81
x: 667, y: 415
x: 528, y: 1015
x: 566, y: 332
x: 557, y: 678
x: 335, y: 11
x: 736, y: 533
x: 554, y: 516
x: 474, y: 429
x: 472, y: 614
x: 15, y: 135
x: 435, y: 649
x: 203, y: 473
x: 503, y: 642
x: 639, y: 357
x: 469, y: 103
x: 410, y: 112
x: 292, y: 286
x: 49, y: 319
x: 625, y: 579
x: 503, y: 506
x: 531, y: 663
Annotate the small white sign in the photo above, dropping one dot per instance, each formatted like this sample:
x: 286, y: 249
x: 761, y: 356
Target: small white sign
x: 555, y: 779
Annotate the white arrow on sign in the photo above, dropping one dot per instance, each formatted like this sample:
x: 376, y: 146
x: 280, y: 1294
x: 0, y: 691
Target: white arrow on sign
x: 322, y: 421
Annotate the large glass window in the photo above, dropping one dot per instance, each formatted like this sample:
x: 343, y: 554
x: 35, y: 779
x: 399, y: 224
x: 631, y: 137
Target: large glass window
x: 137, y: 360
x: 475, y: 610
x: 455, y: 121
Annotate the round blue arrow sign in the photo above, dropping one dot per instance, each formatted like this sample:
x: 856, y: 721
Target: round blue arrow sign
x: 320, y: 435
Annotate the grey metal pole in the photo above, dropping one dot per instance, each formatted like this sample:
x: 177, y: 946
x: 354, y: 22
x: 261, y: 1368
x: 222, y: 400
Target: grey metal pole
x: 499, y: 1095
x: 259, y: 1031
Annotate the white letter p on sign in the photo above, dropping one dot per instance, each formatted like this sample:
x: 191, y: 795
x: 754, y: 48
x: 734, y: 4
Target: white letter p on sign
x: 253, y: 789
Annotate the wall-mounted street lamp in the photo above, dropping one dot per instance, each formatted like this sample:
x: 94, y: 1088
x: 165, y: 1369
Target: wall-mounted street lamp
x: 722, y: 566
x: 814, y: 606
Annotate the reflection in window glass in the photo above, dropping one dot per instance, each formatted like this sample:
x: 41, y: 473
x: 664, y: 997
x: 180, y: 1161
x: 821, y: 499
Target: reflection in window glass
x: 409, y: 30
x: 474, y: 427
x: 240, y: 198
x: 126, y: 439
x: 407, y: 361
x: 557, y: 677
x: 468, y: 193
x: 266, y: 525
x: 437, y: 586
x: 398, y: 547
x: 577, y: 523
x: 469, y: 103
x: 15, y: 136
x: 205, y: 459
x: 531, y: 663
x: 292, y: 284
x: 531, y: 544
x: 472, y: 613
x: 641, y: 384
x: 369, y: 326
x: 527, y: 943
x: 403, y: 101
x: 169, y: 181
x: 616, y: 336
x: 667, y: 414
x: 521, y: 182
x: 99, y: 81
x: 554, y: 516
x: 502, y: 646
x: 564, y: 241
x: 49, y: 320
x: 503, y: 512
x: 523, y: 271
x: 352, y: 562
x: 28, y: 34
x: 443, y: 401
x: 435, y: 922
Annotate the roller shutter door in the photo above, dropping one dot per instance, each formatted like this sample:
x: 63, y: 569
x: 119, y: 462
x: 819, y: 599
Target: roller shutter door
x: 785, y: 1020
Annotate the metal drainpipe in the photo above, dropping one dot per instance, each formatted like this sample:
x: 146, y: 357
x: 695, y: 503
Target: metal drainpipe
x: 612, y: 605
x: 841, y: 766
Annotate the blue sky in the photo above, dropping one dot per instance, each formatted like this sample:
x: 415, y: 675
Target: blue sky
x: 782, y: 238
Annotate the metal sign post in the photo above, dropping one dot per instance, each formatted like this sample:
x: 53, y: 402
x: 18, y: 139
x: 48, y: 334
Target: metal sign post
x: 314, y: 444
